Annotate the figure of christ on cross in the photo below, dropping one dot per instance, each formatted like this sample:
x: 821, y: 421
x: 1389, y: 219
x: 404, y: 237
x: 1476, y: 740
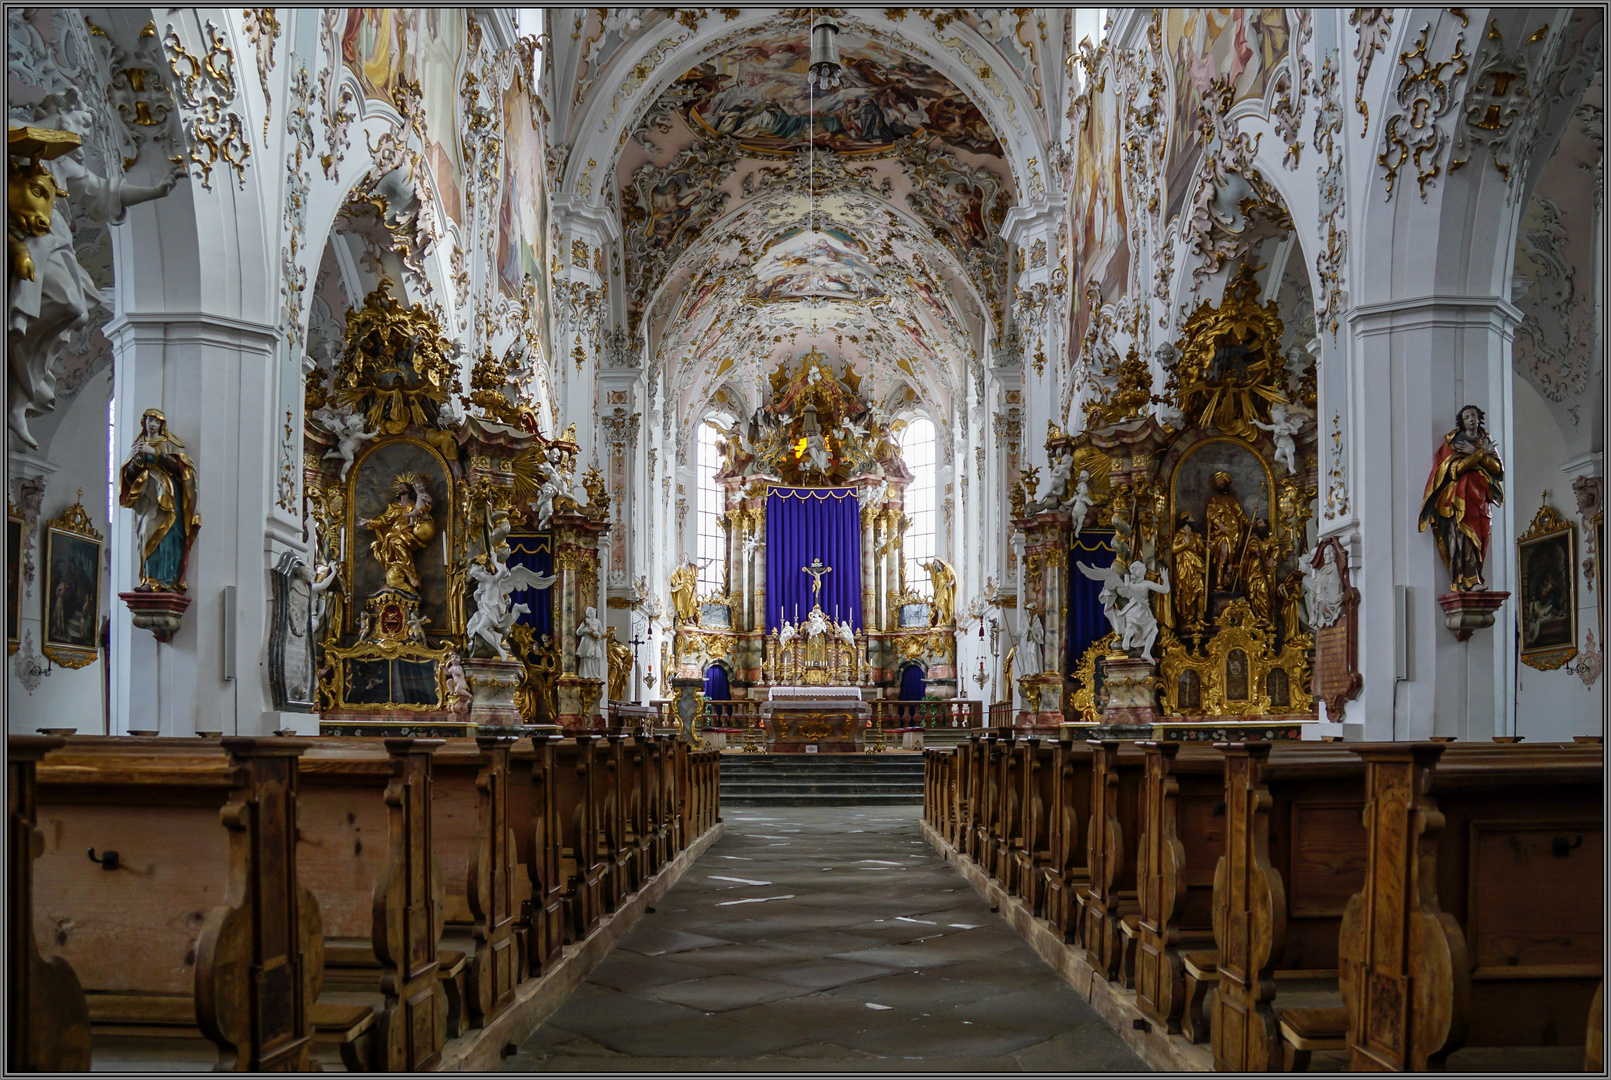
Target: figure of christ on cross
x: 816, y: 570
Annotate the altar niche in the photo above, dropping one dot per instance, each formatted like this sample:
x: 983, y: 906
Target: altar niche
x: 416, y: 493
x: 814, y: 520
x: 1214, y: 503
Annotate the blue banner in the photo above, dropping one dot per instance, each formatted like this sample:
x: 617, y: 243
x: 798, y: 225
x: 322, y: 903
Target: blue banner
x: 1086, y: 623
x: 803, y: 524
x: 534, y: 550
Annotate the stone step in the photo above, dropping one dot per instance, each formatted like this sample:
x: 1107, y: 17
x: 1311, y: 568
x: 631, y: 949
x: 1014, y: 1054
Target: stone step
x: 810, y: 799
x: 822, y: 788
x: 825, y: 780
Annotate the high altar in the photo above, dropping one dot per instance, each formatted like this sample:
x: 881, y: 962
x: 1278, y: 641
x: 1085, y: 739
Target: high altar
x: 1200, y: 512
x: 456, y: 567
x: 815, y: 608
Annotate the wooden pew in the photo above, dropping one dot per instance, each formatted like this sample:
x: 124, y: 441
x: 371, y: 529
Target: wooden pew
x: 578, y: 808
x: 47, y: 1019
x: 1066, y: 878
x: 203, y: 923
x: 1005, y: 764
x: 1111, y: 841
x: 1032, y: 852
x: 1294, y: 853
x: 1480, y: 921
x: 366, y: 854
x: 475, y: 850
x: 1182, y: 836
x: 986, y: 800
x: 534, y: 817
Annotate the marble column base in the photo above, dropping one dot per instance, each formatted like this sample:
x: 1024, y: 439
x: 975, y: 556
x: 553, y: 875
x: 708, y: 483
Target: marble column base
x: 492, y: 690
x: 579, y: 702
x: 1132, y: 691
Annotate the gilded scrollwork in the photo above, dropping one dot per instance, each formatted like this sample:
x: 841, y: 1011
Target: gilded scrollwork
x: 1425, y: 95
x: 207, y: 88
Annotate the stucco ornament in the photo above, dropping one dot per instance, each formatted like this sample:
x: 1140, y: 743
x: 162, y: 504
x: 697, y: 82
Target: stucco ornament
x: 50, y: 294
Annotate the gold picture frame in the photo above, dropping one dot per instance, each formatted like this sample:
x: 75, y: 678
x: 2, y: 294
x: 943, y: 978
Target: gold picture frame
x: 71, y: 625
x: 1546, y: 590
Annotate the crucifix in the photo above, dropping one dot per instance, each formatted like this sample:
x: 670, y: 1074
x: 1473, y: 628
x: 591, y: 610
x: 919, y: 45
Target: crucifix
x: 635, y: 643
x: 816, y: 570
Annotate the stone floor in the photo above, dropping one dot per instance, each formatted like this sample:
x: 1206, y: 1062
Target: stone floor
x: 823, y: 939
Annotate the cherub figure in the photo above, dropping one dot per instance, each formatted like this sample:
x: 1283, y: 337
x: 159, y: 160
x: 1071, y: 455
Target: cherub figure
x: 348, y: 428
x: 1283, y: 426
x: 1079, y: 504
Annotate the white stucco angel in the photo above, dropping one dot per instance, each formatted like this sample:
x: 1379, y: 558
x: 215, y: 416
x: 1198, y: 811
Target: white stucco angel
x: 51, y: 294
x: 1079, y: 504
x: 324, y: 576
x: 1283, y: 426
x: 592, y: 662
x: 554, y: 482
x: 1140, y: 624
x: 493, y: 614
x: 787, y: 634
x: 817, y: 623
x: 458, y: 687
x: 871, y: 495
x: 845, y: 632
x: 1057, y: 481
x: 348, y: 428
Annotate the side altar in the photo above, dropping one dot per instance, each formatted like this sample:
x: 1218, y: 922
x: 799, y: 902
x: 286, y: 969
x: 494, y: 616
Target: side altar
x: 455, y: 576
x: 1171, y: 554
x: 815, y: 592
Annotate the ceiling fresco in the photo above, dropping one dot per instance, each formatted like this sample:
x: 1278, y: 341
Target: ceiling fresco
x: 758, y: 94
x: 882, y: 248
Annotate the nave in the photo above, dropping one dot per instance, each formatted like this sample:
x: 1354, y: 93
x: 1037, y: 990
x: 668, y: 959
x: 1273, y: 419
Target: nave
x: 823, y: 939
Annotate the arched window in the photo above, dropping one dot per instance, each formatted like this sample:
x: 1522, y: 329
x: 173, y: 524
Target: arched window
x: 711, y: 548
x: 917, y: 450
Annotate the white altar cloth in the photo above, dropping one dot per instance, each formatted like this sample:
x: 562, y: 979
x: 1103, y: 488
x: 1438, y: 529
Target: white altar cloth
x: 814, y: 693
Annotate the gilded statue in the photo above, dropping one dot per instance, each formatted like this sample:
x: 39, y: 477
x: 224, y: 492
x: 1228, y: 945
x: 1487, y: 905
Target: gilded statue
x: 943, y: 581
x: 402, y: 528
x: 1466, y: 476
x: 158, y: 482
x: 684, y: 583
x: 1227, y: 526
x: 1191, y: 573
x: 620, y: 657
x: 1259, y: 557
x: 1291, y: 591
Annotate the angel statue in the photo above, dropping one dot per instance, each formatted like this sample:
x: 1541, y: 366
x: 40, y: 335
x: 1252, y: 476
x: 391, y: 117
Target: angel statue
x: 1283, y: 425
x: 1125, y: 603
x: 458, y: 687
x: 1079, y: 504
x: 51, y: 294
x: 845, y: 632
x: 348, y: 428
x: 592, y: 661
x: 787, y: 634
x: 1057, y: 483
x: 816, y: 449
x: 871, y: 495
x: 493, y: 617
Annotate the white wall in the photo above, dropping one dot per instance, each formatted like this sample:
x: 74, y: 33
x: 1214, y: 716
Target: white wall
x: 65, y: 697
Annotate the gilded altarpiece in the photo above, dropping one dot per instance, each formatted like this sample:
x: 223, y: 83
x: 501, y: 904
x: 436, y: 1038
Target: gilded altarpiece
x: 411, y: 485
x: 1215, y: 502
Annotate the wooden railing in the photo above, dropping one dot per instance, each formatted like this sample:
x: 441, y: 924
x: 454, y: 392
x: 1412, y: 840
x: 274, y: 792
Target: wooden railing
x: 1001, y: 714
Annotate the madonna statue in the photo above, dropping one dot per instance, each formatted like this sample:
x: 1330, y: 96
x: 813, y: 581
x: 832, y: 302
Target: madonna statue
x: 158, y: 482
x: 1467, y: 475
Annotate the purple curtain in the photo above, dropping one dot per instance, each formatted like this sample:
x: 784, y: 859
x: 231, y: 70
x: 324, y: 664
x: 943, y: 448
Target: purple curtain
x: 812, y: 523
x: 716, y: 689
x: 534, y: 550
x: 1086, y: 623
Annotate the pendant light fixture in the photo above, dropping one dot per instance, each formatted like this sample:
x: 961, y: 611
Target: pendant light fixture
x: 825, y: 67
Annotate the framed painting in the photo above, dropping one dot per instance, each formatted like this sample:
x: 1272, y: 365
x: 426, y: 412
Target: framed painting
x: 1546, y: 561
x: 72, y: 588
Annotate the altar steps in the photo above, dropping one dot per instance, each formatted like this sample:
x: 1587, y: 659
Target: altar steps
x: 822, y: 780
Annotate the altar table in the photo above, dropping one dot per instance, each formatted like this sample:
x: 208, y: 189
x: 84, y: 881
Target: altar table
x: 834, y: 719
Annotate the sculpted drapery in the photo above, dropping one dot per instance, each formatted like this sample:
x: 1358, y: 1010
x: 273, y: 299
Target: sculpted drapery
x: 1466, y: 476
x: 158, y: 482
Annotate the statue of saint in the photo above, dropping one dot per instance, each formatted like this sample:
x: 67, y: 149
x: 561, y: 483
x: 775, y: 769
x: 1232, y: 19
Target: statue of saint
x: 1291, y: 591
x: 158, y: 482
x: 620, y: 666
x: 402, y: 528
x: 591, y: 660
x: 684, y: 582
x: 943, y: 581
x: 1227, y: 526
x: 1191, y: 573
x: 1258, y: 568
x: 1466, y: 476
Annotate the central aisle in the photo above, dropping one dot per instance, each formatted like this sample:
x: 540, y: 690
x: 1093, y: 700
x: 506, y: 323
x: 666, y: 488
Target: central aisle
x: 823, y: 939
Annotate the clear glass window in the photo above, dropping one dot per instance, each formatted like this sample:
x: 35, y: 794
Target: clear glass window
x: 917, y: 450
x: 711, y: 552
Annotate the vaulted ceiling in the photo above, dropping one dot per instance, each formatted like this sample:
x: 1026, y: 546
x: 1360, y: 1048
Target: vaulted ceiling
x: 882, y: 248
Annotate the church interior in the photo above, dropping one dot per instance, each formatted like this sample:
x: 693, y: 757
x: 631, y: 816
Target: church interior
x: 794, y: 539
